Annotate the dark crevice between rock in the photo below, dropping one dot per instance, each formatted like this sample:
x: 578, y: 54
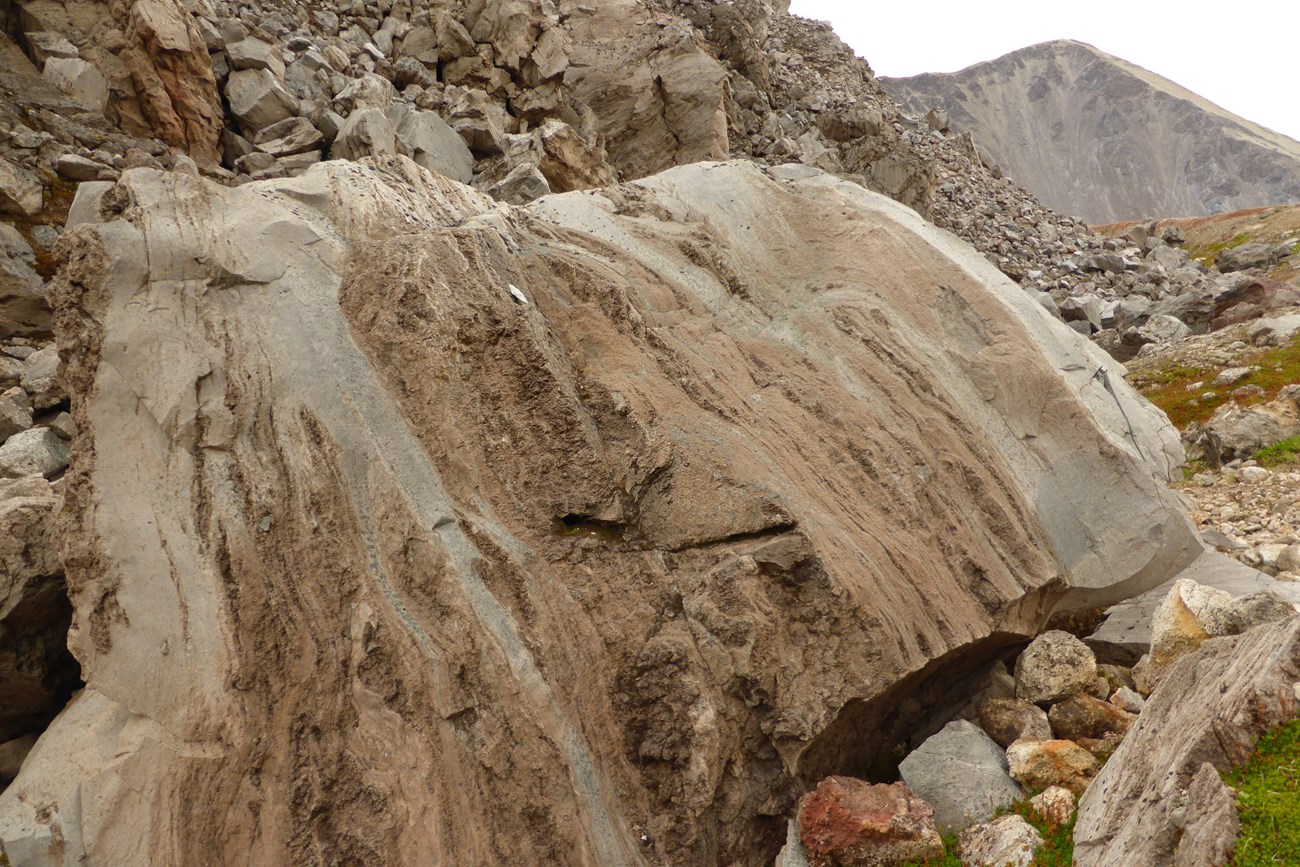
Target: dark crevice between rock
x: 38, y: 674
x: 870, y: 737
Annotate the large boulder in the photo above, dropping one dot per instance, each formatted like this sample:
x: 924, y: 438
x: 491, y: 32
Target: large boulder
x: 1210, y: 708
x: 403, y: 525
x: 659, y: 96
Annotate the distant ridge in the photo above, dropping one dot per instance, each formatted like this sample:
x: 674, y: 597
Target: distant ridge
x: 1096, y: 136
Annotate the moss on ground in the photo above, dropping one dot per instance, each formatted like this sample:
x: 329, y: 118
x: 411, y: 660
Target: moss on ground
x: 1209, y: 254
x: 1057, y: 849
x: 1168, y: 388
x: 1268, y: 799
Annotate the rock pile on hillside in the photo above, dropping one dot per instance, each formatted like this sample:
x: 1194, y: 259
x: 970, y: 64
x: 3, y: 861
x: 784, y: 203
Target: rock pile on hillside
x: 522, y: 99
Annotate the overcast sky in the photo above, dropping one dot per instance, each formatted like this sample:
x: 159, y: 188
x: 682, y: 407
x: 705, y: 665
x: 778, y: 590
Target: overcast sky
x: 1242, y: 56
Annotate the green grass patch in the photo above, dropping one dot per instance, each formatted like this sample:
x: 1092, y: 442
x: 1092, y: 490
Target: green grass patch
x: 1168, y: 388
x: 1285, y: 452
x: 1268, y: 799
x: 1209, y: 254
x: 1057, y: 849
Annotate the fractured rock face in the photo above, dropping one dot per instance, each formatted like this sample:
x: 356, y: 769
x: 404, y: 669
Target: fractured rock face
x: 962, y: 774
x: 486, y: 534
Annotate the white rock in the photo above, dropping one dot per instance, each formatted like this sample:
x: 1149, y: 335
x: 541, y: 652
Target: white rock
x: 1008, y: 841
x: 38, y: 451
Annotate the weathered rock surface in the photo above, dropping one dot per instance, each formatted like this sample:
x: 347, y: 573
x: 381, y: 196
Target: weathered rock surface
x: 1091, y: 164
x: 848, y: 823
x: 1038, y: 765
x: 1007, y: 720
x: 1210, y: 708
x: 1055, y: 804
x: 371, y: 472
x: 1053, y: 666
x: 962, y: 774
x: 1008, y: 841
x: 1082, y: 716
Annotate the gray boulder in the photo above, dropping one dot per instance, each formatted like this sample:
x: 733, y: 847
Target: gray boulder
x: 1251, y: 256
x: 426, y: 138
x: 41, y: 379
x: 23, y: 308
x: 253, y: 53
x: 15, y: 413
x: 21, y: 192
x: 293, y: 135
x: 962, y: 774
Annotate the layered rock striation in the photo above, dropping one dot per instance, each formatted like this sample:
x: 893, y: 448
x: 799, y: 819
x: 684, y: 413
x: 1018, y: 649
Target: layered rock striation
x: 405, y: 525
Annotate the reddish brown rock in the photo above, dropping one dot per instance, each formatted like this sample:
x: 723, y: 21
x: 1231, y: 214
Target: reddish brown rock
x: 846, y: 822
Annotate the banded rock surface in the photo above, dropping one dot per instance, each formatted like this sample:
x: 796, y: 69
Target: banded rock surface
x: 404, y: 525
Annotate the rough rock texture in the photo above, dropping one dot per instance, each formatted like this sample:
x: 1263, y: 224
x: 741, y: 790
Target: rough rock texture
x: 35, y: 677
x: 1082, y: 716
x: 1212, y: 822
x: 1053, y: 666
x: 1038, y: 765
x: 391, y: 503
x: 1007, y: 720
x: 962, y: 774
x: 154, y: 60
x: 1052, y: 115
x: 848, y: 823
x: 1055, y: 804
x: 1008, y: 841
x: 1211, y: 707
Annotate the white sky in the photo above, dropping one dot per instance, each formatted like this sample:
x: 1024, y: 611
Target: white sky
x: 1244, y: 56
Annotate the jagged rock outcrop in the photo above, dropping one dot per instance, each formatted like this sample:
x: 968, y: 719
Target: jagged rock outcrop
x: 405, y: 525
x: 1093, y: 135
x: 1155, y: 796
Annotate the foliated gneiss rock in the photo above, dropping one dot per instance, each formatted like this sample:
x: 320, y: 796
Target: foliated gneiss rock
x: 403, y: 525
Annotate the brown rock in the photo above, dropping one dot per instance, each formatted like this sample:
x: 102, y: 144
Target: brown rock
x: 1103, y: 747
x: 1036, y: 765
x: 171, y: 77
x: 1008, y: 720
x: 849, y: 823
x: 1082, y: 716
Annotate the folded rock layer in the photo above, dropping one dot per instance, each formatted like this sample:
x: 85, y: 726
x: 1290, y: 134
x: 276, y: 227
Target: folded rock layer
x: 408, y: 527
